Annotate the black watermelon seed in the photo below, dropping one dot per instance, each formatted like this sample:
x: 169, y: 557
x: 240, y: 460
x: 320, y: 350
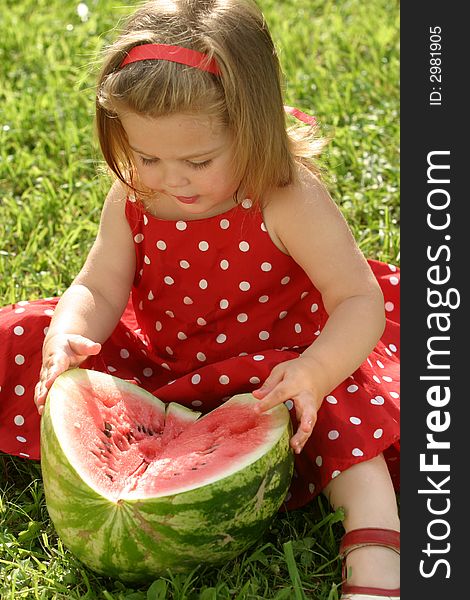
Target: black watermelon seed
x: 108, y: 426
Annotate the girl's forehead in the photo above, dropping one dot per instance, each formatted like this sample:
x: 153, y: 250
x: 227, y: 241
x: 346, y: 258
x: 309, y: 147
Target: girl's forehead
x: 178, y: 133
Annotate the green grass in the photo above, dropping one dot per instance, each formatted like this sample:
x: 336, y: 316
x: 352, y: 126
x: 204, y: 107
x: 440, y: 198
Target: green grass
x: 341, y: 63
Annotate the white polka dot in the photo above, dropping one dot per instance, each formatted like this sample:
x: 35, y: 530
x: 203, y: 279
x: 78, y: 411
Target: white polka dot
x: 220, y: 339
x: 23, y: 302
x: 263, y: 299
x: 187, y: 300
x: 196, y: 403
x: 224, y: 380
x: 203, y: 284
x: 378, y: 433
x: 22, y: 310
x: 289, y: 404
x: 200, y: 321
x: 111, y: 369
x: 169, y: 280
x: 224, y: 264
x: 263, y: 228
x: 355, y: 420
x: 161, y: 245
x: 244, y: 286
x: 244, y: 246
x: 319, y: 461
x: 224, y: 224
x: 357, y: 452
x: 314, y: 307
x: 311, y: 487
x: 182, y: 336
x: 124, y: 353
x: 21, y: 439
x: 150, y: 296
x: 387, y: 351
x: 181, y: 225
x: 201, y: 356
x: 203, y: 246
x: 392, y: 347
x: 258, y: 357
x: 352, y: 388
x: 139, y: 238
x: 283, y: 314
x: 166, y: 366
x: 224, y: 303
x: 380, y: 364
x: 266, y: 267
x: 263, y: 335
x: 19, y: 359
x: 389, y: 306
x: 45, y: 330
x: 148, y: 372
x: 146, y: 260
x: 184, y: 264
x: 169, y: 350
x: 49, y: 312
x: 378, y: 400
x: 331, y: 399
x: 387, y: 378
x: 333, y: 434
x: 19, y: 390
x: 158, y: 325
x: 298, y: 328
x: 285, y: 280
x: 242, y: 318
x: 255, y: 380
x: 394, y: 395
x: 376, y: 379
x: 247, y: 203
x: 392, y: 268
x: 19, y: 420
x: 195, y: 379
x: 335, y: 474
x: 394, y: 280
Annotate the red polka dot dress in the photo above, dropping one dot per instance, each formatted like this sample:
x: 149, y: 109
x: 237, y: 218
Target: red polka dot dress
x: 215, y: 305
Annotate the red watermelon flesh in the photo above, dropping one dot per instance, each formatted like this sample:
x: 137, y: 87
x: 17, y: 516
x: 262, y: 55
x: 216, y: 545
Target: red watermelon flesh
x: 127, y: 444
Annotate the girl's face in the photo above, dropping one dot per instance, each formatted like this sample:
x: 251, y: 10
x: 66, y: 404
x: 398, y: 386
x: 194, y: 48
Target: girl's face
x: 186, y: 160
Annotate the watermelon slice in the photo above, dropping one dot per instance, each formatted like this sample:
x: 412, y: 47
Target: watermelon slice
x: 134, y: 486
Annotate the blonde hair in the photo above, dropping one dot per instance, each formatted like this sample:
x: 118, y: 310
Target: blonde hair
x: 246, y: 97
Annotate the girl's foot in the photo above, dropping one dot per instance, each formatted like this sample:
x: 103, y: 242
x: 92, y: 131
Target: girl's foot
x: 371, y: 561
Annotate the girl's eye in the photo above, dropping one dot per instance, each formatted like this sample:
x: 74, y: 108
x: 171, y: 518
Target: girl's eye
x: 148, y: 161
x: 200, y: 165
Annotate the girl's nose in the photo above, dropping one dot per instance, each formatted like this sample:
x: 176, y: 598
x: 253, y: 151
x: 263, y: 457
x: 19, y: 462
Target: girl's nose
x: 173, y: 176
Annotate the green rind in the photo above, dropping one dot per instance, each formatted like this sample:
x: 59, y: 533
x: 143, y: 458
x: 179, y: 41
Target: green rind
x: 137, y: 540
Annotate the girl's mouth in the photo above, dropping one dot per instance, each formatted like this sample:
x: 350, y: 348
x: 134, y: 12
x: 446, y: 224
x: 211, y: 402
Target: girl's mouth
x: 187, y: 199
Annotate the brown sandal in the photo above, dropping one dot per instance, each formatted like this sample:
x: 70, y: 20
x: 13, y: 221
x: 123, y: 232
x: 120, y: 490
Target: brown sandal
x: 358, y: 538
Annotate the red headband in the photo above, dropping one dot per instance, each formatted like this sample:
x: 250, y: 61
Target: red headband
x: 177, y: 54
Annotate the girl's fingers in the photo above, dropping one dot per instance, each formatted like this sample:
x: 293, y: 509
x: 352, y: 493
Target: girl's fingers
x: 270, y: 382
x: 280, y: 393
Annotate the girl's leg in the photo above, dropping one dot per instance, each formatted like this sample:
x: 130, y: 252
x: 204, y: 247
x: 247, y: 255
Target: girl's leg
x: 366, y: 493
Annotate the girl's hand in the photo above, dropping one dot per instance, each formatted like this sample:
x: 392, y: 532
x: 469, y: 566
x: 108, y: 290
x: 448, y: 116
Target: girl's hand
x: 61, y: 352
x: 297, y: 380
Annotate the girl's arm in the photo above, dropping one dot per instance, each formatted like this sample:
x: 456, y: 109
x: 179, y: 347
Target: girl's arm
x: 91, y: 307
x: 305, y: 223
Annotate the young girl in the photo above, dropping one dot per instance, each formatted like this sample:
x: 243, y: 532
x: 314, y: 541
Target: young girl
x: 222, y: 266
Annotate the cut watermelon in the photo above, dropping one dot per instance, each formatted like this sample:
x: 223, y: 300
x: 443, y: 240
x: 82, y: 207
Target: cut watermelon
x: 134, y: 486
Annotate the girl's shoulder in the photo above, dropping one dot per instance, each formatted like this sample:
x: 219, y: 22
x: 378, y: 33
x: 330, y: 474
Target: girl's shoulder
x: 296, y: 206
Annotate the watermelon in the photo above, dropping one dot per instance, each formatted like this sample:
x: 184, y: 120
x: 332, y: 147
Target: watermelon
x: 135, y: 487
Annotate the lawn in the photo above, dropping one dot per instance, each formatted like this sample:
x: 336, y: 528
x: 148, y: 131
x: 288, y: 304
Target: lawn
x: 341, y: 64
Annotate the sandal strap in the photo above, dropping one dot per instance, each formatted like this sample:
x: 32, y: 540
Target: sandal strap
x: 370, y: 591
x: 369, y: 536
